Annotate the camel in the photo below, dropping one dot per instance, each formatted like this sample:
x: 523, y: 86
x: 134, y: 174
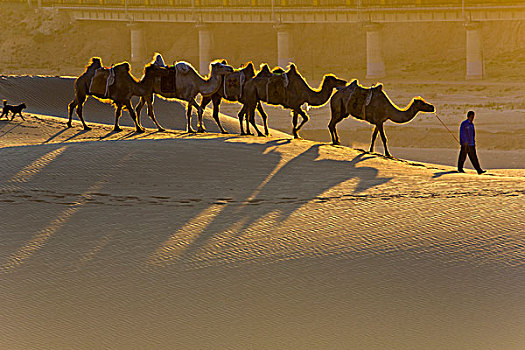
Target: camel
x: 232, y: 90
x: 377, y: 109
x: 291, y: 91
x: 270, y: 77
x: 186, y: 84
x: 119, y: 93
x: 82, y: 84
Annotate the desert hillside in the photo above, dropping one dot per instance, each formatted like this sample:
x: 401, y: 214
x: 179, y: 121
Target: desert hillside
x: 46, y: 41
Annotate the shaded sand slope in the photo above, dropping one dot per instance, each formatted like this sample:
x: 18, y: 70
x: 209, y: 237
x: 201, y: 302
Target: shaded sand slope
x: 51, y: 95
x: 171, y: 241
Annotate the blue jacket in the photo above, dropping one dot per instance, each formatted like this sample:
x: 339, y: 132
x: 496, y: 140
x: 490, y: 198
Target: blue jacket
x: 467, y: 134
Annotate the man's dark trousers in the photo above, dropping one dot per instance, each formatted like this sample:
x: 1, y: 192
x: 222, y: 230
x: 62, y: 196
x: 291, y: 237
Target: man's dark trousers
x: 471, y: 151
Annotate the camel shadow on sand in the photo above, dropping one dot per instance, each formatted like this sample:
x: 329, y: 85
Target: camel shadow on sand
x: 302, y: 180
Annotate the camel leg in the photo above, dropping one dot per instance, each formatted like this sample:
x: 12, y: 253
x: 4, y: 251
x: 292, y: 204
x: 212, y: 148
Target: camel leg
x: 264, y: 117
x: 138, y: 107
x: 305, y: 119
x: 151, y: 113
x: 131, y: 111
x: 244, y: 113
x: 241, y: 115
x: 247, y: 119
x: 248, y: 132
x: 374, y: 135
x: 205, y: 100
x: 118, y: 113
x: 79, y: 103
x: 79, y: 110
x: 188, y: 117
x: 294, y: 122
x: 252, y: 121
x: 383, y: 137
x: 216, y: 102
x: 200, y: 112
x: 333, y: 130
x: 216, y: 106
x: 71, y: 108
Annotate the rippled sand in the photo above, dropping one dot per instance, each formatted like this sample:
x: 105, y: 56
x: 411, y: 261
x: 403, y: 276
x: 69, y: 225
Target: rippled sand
x: 177, y: 241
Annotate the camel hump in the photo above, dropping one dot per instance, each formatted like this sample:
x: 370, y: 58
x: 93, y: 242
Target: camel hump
x: 349, y: 87
x: 182, y: 67
x: 122, y: 66
x: 378, y: 86
x: 265, y: 68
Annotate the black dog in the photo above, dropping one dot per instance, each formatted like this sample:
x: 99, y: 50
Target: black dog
x: 13, y: 109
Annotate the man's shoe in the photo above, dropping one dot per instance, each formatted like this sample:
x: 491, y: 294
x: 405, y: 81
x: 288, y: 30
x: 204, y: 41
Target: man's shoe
x: 461, y: 171
x: 481, y: 172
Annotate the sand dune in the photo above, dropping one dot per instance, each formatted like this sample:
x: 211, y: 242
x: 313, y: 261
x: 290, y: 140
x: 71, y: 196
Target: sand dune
x: 177, y: 241
x: 51, y: 95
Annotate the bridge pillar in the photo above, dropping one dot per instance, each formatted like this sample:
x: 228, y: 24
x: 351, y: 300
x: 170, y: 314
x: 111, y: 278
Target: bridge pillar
x: 138, y: 44
x: 205, y: 46
x: 475, y: 64
x: 375, y: 67
x: 284, y: 45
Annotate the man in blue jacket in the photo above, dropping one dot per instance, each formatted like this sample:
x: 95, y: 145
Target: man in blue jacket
x: 467, y: 138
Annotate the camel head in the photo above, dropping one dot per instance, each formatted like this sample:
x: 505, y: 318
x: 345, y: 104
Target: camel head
x: 94, y: 63
x: 334, y: 82
x: 220, y: 68
x: 421, y: 105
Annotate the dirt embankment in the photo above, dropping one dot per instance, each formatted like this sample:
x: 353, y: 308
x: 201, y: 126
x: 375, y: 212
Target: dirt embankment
x: 46, y: 41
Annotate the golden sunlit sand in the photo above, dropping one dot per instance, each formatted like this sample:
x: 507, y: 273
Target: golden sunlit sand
x: 208, y: 241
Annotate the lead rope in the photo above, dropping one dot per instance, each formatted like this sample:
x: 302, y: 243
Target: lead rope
x: 454, y: 136
x: 224, y: 84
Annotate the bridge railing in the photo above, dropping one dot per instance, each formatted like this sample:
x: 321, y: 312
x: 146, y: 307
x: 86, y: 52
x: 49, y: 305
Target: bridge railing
x: 274, y: 3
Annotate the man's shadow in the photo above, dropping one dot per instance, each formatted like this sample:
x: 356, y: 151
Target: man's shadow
x: 441, y: 173
x: 301, y: 180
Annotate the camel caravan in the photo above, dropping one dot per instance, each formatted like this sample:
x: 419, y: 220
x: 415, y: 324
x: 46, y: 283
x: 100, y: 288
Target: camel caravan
x: 286, y: 88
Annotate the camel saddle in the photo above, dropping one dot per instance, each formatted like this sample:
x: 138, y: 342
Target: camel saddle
x: 168, y: 82
x: 356, y: 109
x: 276, y: 88
x: 233, y: 84
x: 104, y: 77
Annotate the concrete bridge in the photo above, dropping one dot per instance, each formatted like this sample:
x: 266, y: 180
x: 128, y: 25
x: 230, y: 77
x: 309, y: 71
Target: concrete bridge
x: 283, y: 14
